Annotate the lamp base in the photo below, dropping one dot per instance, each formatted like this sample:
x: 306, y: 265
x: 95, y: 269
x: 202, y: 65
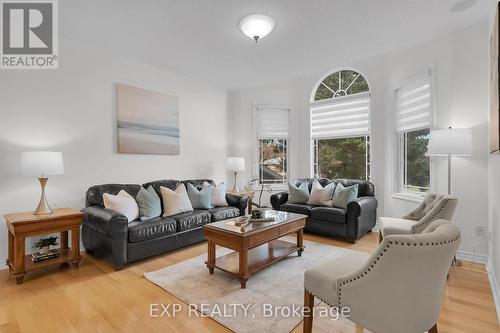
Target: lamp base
x: 235, y: 187
x: 43, y: 206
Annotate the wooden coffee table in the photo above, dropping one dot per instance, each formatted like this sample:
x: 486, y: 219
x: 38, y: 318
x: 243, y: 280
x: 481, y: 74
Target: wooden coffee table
x: 256, y: 247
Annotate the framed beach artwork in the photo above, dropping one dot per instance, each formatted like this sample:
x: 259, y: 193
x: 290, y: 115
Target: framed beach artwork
x: 148, y: 121
x: 494, y: 86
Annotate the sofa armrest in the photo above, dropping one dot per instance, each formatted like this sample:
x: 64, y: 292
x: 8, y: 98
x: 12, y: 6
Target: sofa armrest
x: 361, y: 206
x: 238, y: 201
x: 278, y: 199
x: 106, y: 220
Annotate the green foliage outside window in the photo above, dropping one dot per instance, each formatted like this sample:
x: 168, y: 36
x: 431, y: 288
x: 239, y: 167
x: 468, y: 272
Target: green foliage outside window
x: 417, y: 165
x: 342, y: 158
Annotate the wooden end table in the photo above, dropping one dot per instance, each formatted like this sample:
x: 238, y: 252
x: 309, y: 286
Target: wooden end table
x: 23, y: 225
x: 256, y: 247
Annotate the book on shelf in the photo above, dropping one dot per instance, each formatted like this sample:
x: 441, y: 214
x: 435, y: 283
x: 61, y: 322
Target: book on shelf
x: 37, y: 256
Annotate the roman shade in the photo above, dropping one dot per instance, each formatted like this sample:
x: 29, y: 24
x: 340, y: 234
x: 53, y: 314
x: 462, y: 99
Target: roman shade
x: 272, y: 122
x: 414, y: 104
x: 340, y: 117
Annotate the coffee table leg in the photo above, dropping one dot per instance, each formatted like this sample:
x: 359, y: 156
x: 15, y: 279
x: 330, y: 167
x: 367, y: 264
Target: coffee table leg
x: 211, y: 257
x: 243, y: 268
x: 300, y: 241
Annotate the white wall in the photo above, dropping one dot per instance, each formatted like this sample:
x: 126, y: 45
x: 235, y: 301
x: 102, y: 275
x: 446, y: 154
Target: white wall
x: 460, y: 64
x: 72, y: 110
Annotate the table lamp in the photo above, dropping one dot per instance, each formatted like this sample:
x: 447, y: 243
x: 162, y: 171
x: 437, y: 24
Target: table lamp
x: 235, y: 164
x: 42, y: 164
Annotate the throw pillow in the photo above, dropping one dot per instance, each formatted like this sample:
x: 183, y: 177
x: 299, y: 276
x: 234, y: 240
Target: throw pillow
x: 298, y: 195
x: 149, y: 203
x: 200, y: 199
x: 122, y: 203
x: 218, y: 195
x: 343, y: 195
x: 321, y: 196
x: 175, y: 202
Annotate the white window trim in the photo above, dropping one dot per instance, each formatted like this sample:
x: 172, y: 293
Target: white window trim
x: 256, y: 157
x: 396, y: 185
x: 312, y: 102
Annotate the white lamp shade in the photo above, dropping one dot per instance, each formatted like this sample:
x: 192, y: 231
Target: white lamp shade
x: 453, y: 141
x: 235, y: 164
x: 256, y: 26
x: 42, y: 163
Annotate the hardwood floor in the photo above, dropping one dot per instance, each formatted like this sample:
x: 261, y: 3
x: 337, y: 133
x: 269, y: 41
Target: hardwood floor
x: 95, y: 298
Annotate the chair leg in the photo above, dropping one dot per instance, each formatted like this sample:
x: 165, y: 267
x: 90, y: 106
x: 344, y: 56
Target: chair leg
x: 308, y: 311
x: 380, y: 237
x: 434, y: 329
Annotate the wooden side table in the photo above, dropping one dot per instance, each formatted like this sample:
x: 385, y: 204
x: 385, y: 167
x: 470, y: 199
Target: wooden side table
x: 247, y: 194
x: 23, y: 225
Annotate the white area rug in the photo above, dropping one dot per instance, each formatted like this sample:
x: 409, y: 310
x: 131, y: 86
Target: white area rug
x: 279, y: 285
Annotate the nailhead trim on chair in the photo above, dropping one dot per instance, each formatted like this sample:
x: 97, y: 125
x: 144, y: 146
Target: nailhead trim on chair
x: 380, y: 254
x: 424, y: 224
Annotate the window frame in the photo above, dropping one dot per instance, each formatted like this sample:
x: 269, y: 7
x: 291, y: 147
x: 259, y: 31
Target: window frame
x: 256, y: 145
x: 399, y: 190
x: 285, y: 165
x: 312, y: 101
x: 403, y: 157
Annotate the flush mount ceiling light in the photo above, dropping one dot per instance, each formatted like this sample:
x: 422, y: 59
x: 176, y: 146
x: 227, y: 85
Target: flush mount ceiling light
x: 461, y: 5
x: 256, y: 26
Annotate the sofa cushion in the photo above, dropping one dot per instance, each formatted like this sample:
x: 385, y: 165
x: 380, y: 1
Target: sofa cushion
x: 329, y: 214
x: 200, y: 199
x: 94, y: 194
x: 149, y: 203
x: 175, y: 202
x: 298, y: 195
x: 191, y: 220
x: 296, y: 208
x: 223, y: 213
x: 139, y: 231
x: 122, y: 203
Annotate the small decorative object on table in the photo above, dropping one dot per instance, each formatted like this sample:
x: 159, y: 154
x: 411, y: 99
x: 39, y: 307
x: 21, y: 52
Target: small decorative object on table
x: 37, y: 256
x: 44, y: 244
x: 45, y: 252
x: 259, y: 215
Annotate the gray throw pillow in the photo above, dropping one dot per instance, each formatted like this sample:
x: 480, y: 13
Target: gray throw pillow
x: 298, y: 195
x: 149, y: 203
x: 200, y: 199
x: 343, y: 195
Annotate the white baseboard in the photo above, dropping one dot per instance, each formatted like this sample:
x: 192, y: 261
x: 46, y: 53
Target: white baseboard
x: 494, y: 288
x: 469, y: 256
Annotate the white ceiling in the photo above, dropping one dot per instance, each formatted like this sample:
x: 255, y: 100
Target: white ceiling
x: 200, y: 38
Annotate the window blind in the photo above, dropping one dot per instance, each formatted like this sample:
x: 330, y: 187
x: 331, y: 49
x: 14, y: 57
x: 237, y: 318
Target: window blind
x: 340, y: 117
x: 414, y: 105
x: 272, y: 123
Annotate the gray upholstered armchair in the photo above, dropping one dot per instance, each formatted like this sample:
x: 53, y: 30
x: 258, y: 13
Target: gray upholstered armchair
x: 397, y: 289
x: 435, y: 206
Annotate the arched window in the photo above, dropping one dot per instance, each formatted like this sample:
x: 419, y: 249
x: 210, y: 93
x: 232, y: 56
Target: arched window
x: 340, y: 126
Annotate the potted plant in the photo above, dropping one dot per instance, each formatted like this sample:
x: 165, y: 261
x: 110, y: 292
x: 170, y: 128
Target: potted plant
x: 44, y: 244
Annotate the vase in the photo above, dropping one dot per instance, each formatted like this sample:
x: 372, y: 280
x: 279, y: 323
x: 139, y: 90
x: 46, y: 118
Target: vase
x: 44, y: 250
